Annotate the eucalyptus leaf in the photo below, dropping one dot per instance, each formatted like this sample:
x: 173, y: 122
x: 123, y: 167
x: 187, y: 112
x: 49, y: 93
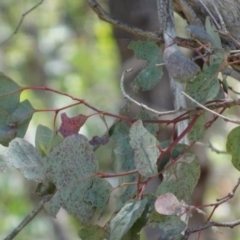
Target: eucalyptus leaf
x: 46, y: 139
x: 170, y: 226
x: 181, y: 178
x: 125, y: 218
x: 232, y: 146
x: 123, y: 160
x: 146, y: 150
x: 71, y: 166
x: 9, y: 94
x: 24, y: 156
x: 149, y: 76
x: 205, y: 86
x: 198, y: 130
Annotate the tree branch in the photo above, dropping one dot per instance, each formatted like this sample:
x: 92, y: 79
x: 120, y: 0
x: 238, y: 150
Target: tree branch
x: 165, y: 15
x: 157, y: 37
x: 21, y: 21
x: 28, y: 218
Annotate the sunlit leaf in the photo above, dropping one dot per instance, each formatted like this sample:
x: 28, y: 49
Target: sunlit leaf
x: 233, y: 148
x: 24, y: 156
x: 145, y: 148
x: 125, y: 218
x: 46, y: 139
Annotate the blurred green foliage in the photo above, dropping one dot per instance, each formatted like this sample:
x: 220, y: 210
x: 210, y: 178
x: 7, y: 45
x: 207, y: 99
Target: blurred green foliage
x: 62, y: 45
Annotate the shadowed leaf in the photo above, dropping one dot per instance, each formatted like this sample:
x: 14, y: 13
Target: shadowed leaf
x: 145, y: 149
x: 46, y: 139
x: 134, y: 232
x: 99, y: 193
x: 211, y: 30
x: 181, y: 178
x: 205, y: 86
x: 150, y: 76
x: 170, y: 226
x: 182, y: 69
x: 21, y: 117
x: 151, y: 127
x: 125, y: 218
x: 123, y: 160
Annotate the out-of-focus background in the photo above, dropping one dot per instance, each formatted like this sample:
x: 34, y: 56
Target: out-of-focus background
x: 63, y: 45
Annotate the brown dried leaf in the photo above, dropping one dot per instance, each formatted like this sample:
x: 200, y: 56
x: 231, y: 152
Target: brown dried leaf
x: 72, y: 125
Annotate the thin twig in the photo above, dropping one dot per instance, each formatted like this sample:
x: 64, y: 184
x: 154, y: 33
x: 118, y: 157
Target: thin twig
x: 211, y: 111
x: 136, y: 102
x: 28, y: 218
x: 223, y: 25
x: 216, y: 150
x: 154, y: 36
x: 103, y: 15
x: 209, y: 224
x: 21, y: 21
x: 210, y: 14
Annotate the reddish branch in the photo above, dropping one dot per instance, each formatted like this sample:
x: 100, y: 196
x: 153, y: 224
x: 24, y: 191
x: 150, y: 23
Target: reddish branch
x: 209, y: 223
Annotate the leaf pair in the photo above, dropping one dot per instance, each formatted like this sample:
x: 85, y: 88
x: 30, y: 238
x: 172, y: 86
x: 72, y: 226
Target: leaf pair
x: 15, y: 115
x: 71, y: 166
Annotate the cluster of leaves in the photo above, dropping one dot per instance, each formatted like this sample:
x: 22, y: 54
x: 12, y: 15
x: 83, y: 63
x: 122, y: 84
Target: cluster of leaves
x: 65, y: 166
